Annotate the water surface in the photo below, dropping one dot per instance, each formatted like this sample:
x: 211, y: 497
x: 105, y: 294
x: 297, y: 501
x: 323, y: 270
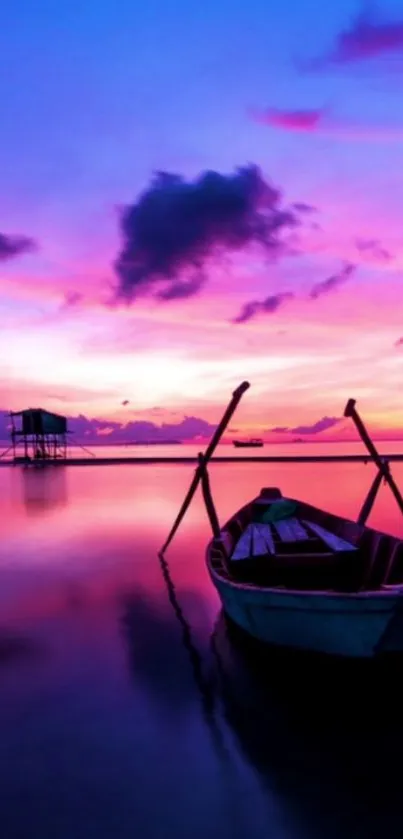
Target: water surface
x: 129, y: 707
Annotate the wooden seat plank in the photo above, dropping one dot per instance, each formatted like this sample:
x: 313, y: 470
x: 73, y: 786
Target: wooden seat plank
x: 243, y: 547
x: 330, y: 539
x: 264, y: 532
x: 290, y: 530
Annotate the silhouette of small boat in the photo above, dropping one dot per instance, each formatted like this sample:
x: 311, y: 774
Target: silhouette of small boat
x: 252, y: 443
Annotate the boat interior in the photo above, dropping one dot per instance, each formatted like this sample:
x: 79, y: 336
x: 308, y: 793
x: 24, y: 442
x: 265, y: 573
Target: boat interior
x: 306, y: 549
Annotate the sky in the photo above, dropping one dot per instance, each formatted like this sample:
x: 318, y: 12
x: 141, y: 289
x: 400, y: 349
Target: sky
x: 196, y: 194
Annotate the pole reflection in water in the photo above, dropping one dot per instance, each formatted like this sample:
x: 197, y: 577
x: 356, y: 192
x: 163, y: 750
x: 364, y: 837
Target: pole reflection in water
x: 158, y: 670
x: 150, y: 661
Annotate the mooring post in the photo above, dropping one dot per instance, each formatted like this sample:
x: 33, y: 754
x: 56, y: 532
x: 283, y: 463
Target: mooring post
x: 383, y: 466
x: 208, y: 498
x: 370, y: 499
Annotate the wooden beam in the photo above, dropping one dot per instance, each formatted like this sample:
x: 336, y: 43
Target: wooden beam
x: 208, y: 498
x: 350, y: 411
x: 236, y: 398
x: 370, y: 499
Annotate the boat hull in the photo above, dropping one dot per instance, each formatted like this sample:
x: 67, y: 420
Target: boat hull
x: 361, y: 625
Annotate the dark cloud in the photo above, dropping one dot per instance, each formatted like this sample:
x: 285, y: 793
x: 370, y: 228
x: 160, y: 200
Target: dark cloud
x: 4, y: 425
x: 177, y: 225
x: 13, y: 246
x: 268, y: 306
x: 374, y: 249
x: 301, y: 207
x: 104, y: 431
x: 365, y: 38
x: 138, y: 431
x: 321, y: 425
x: 184, y: 288
x: 126, y: 402
x: 333, y: 282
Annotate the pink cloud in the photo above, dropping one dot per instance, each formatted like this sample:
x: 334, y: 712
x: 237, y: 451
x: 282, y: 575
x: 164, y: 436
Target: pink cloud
x: 298, y: 120
x: 373, y: 249
x: 320, y: 121
x: 71, y: 299
x: 399, y: 342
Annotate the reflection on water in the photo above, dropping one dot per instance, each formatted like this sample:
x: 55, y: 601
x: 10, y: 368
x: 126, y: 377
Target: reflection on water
x: 326, y: 738
x: 15, y: 648
x: 43, y: 488
x: 130, y: 707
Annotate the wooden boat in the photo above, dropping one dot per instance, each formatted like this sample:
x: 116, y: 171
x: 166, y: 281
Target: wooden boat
x: 313, y: 581
x: 253, y: 443
x: 295, y: 576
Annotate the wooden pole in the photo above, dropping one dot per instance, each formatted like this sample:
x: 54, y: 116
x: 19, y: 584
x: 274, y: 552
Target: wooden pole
x: 208, y: 498
x: 370, y: 499
x: 350, y: 411
x: 236, y: 398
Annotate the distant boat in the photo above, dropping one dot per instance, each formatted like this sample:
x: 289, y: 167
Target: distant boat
x: 252, y: 443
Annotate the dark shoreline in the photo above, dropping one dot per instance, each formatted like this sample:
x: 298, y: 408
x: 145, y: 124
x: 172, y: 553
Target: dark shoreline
x: 114, y: 461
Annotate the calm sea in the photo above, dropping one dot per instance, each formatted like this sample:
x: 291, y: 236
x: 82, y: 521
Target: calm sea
x: 223, y: 450
x: 128, y: 706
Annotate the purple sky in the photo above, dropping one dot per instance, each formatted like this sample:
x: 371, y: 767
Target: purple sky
x: 95, y: 100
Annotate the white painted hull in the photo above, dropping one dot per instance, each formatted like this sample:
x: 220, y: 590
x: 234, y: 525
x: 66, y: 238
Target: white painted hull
x: 357, y: 625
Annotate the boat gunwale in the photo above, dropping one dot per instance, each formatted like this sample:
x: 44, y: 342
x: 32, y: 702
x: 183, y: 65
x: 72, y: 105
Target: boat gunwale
x: 386, y: 592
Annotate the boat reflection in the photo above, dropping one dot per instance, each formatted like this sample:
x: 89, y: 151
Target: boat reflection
x: 326, y: 736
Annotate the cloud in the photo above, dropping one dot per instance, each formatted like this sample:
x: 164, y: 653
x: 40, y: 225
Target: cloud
x: 268, y: 306
x: 320, y: 425
x: 182, y: 289
x: 87, y: 430
x: 13, y: 246
x: 399, y: 342
x: 71, y: 299
x: 126, y: 402
x: 299, y: 120
x: 176, y: 225
x: 138, y: 431
x: 373, y: 249
x: 301, y: 207
x: 333, y: 282
x: 366, y: 38
x: 322, y: 122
